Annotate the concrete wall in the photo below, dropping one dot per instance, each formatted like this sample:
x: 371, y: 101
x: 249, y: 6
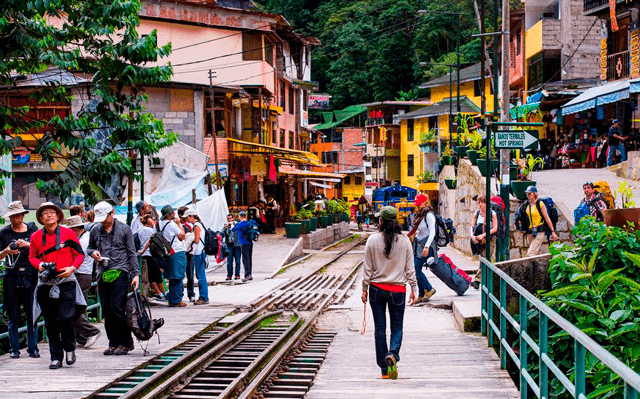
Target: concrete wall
x: 629, y: 169
x: 323, y: 237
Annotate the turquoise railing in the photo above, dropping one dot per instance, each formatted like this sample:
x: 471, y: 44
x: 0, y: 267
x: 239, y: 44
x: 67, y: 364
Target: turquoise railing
x: 582, y: 342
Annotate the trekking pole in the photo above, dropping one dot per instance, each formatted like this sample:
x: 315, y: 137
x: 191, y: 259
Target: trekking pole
x: 364, y: 320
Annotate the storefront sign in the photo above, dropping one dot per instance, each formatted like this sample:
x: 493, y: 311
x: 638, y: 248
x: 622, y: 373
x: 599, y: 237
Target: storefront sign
x: 634, y: 47
x: 614, y: 19
x: 516, y: 139
x: 222, y: 167
x: 383, y: 135
x: 306, y: 85
x: 371, y: 184
x: 23, y: 156
x: 603, y: 59
x: 319, y: 101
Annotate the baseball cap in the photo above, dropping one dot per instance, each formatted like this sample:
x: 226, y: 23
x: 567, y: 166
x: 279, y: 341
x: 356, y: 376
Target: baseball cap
x: 420, y: 198
x: 102, y: 210
x: 191, y: 212
x: 243, y: 213
x: 615, y: 121
x: 139, y: 205
x: 387, y: 213
x: 531, y: 189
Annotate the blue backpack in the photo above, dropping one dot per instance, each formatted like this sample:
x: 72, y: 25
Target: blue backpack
x: 580, y: 212
x: 254, y: 231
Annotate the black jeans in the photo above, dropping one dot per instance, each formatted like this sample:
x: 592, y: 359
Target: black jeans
x: 113, y: 297
x: 379, y: 300
x: 191, y: 292
x: 247, y: 258
x: 59, y: 318
x: 84, y: 328
x: 19, y: 290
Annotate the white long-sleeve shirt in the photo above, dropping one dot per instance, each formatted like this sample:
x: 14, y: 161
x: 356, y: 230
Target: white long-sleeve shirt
x: 397, y: 269
x: 427, y: 227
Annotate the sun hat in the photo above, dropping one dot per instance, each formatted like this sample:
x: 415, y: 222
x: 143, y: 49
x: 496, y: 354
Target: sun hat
x: 191, y: 212
x: 420, y: 198
x: 387, y: 213
x: 102, y: 210
x: 531, y: 189
x: 15, y: 208
x: 167, y: 210
x: 49, y: 205
x: 74, y: 221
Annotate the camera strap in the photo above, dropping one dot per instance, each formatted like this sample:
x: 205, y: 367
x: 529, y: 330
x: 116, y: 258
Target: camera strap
x: 44, y: 241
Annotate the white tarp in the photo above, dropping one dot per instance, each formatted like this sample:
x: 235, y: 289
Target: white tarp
x: 213, y: 210
x: 176, y: 185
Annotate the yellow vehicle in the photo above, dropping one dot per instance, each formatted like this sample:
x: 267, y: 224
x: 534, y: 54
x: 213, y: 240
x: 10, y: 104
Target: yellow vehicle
x: 404, y: 208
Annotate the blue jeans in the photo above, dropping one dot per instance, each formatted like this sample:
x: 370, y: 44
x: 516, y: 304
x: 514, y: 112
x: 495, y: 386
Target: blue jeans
x: 612, y: 151
x: 235, y: 254
x: 198, y: 263
x: 247, y: 258
x: 379, y: 299
x: 423, y: 282
x: 20, y: 290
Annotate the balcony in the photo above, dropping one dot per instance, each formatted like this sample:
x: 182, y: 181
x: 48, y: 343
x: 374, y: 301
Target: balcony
x: 380, y: 121
x: 618, y: 66
x: 589, y: 5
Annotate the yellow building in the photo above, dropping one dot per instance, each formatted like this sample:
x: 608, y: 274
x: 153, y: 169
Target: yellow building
x: 353, y: 185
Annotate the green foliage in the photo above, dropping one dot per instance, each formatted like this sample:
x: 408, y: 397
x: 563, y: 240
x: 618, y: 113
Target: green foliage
x: 529, y: 164
x: 426, y: 177
x: 624, y: 195
x: 303, y: 214
x: 429, y: 136
x: 97, y: 38
x: 594, y: 287
x: 482, y: 152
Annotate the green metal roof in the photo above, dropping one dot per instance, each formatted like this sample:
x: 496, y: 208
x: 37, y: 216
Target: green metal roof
x: 340, y: 117
x: 466, y: 74
x: 442, y: 108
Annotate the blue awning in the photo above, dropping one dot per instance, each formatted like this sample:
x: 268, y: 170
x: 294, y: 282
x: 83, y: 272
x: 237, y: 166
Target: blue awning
x: 598, y: 95
x: 634, y: 86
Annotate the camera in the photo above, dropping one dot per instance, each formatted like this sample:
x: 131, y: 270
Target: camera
x: 13, y: 246
x: 49, y: 272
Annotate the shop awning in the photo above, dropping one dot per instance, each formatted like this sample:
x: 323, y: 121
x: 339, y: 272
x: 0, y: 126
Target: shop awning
x: 245, y: 147
x: 522, y: 110
x: 340, y: 117
x: 598, y: 95
x: 320, y: 185
x: 634, y: 86
x: 442, y: 107
x: 309, y: 174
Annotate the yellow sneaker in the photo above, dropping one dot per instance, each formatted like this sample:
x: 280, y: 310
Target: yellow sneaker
x: 429, y: 294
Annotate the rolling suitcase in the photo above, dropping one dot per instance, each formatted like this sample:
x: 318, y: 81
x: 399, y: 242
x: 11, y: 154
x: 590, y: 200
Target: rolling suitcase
x: 455, y: 278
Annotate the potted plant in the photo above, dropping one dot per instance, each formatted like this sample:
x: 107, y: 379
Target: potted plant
x: 324, y: 219
x: 475, y: 143
x: 527, y: 165
x: 464, y: 122
x: 482, y: 161
x: 304, y: 217
x: 344, y: 210
x: 293, y: 229
x: 627, y: 216
x: 426, y: 177
x: 331, y: 210
x: 446, y: 158
x: 450, y: 182
x: 428, y: 141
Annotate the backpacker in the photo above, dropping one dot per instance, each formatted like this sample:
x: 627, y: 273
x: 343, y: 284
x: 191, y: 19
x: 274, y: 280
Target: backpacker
x: 445, y: 231
x: 497, y: 205
x: 454, y: 277
x: 159, y: 247
x: 139, y: 320
x: 211, y: 242
x: 580, y: 212
x: 254, y: 231
x: 603, y: 188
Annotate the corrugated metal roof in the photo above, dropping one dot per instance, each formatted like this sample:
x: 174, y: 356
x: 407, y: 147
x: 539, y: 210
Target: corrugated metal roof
x: 442, y: 108
x: 466, y: 75
x: 340, y: 117
x: 52, y: 75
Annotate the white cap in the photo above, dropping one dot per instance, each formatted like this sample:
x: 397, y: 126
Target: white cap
x: 190, y: 212
x: 102, y: 210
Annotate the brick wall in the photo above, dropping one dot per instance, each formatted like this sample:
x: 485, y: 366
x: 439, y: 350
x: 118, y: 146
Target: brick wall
x: 222, y: 144
x: 585, y: 63
x: 351, y: 156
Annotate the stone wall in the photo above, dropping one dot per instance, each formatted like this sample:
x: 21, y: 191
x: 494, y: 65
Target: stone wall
x: 459, y: 206
x: 323, y: 237
x: 629, y: 169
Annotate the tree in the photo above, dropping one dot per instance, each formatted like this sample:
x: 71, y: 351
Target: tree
x: 97, y: 38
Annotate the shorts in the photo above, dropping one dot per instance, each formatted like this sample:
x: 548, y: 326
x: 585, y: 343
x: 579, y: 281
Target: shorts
x: 155, y: 274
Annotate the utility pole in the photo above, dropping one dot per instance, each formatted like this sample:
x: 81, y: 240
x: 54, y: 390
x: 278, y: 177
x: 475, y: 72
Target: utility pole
x: 458, y: 73
x: 213, y: 127
x: 130, y: 189
x: 505, y: 154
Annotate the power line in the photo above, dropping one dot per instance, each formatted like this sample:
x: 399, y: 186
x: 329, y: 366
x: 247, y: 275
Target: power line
x: 220, y: 38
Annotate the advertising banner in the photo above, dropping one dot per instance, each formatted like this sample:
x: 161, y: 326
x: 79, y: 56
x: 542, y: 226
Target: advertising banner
x: 319, y: 101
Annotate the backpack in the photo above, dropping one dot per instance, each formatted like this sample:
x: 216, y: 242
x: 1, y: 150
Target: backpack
x: 497, y: 205
x: 211, y: 242
x: 159, y: 247
x: 521, y: 218
x: 580, y: 212
x: 136, y: 241
x: 603, y: 188
x: 254, y: 231
x: 551, y: 210
x: 445, y: 231
x: 138, y: 315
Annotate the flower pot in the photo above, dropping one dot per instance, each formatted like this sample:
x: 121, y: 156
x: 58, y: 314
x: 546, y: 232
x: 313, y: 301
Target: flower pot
x: 337, y: 217
x: 513, y: 172
x: 293, y: 230
x: 306, y: 226
x: 519, y: 187
x: 428, y: 147
x: 473, y: 156
x: 314, y: 224
x: 622, y: 217
x: 450, y: 183
x: 445, y: 160
x: 330, y: 219
x: 461, y: 150
x: 482, y: 165
x: 324, y: 221
x: 346, y: 217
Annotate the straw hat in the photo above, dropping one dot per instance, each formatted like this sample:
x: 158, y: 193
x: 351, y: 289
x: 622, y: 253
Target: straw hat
x: 15, y: 208
x: 74, y: 221
x: 49, y: 205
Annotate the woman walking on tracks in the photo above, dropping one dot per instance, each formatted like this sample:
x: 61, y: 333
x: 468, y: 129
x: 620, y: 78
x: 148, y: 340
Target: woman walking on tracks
x: 388, y: 266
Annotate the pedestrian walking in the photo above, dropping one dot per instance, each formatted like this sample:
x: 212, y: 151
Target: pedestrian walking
x: 111, y: 245
x: 56, y: 252
x: 175, y: 265
x: 539, y: 221
x: 153, y: 267
x: 615, y: 138
x: 246, y: 245
x: 424, y: 245
x: 199, y: 258
x: 362, y: 211
x: 235, y: 248
x: 20, y: 279
x: 388, y: 266
x: 188, y: 230
x: 271, y: 207
x: 594, y: 200
x: 86, y: 333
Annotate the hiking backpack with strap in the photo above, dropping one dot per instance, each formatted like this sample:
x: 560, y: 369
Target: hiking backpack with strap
x: 580, y: 212
x: 159, y: 247
x: 445, y: 231
x: 254, y: 231
x: 603, y: 188
x: 211, y: 242
x: 521, y: 218
x: 552, y: 211
x: 497, y: 205
x: 138, y: 315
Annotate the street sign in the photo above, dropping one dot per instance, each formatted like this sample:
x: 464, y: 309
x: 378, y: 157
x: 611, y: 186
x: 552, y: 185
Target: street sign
x: 516, y: 139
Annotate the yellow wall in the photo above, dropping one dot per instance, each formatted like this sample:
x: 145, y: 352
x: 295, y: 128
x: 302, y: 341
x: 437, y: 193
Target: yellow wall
x: 352, y: 191
x: 406, y: 148
x: 533, y: 40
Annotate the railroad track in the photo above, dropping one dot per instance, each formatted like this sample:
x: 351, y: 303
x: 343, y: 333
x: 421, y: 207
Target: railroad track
x: 249, y: 357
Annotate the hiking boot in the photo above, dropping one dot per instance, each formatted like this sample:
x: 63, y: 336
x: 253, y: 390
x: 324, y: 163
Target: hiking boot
x: 71, y: 357
x: 92, y: 340
x: 392, y: 369
x: 15, y: 355
x: 247, y: 278
x: 475, y: 284
x: 178, y: 305
x: 123, y: 350
x: 201, y: 301
x: 109, y: 351
x: 229, y: 278
x: 429, y: 294
x: 55, y: 364
x: 418, y: 300
x: 34, y: 354
x: 237, y: 277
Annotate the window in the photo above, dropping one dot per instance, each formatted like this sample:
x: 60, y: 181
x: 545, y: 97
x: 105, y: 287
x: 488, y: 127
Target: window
x: 282, y: 95
x: 347, y: 180
x: 410, y: 130
x: 274, y: 136
x: 358, y: 180
x: 477, y: 88
x: 335, y: 136
x: 305, y: 100
x: 330, y: 157
x: 291, y: 100
x: 251, y: 46
x: 291, y: 140
x: 218, y: 108
x: 368, y: 170
x: 282, y: 138
x: 518, y: 42
x: 410, y: 165
x: 268, y: 51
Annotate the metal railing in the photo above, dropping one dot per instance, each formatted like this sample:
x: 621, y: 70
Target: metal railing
x: 618, y: 66
x: 582, y: 342
x: 588, y: 5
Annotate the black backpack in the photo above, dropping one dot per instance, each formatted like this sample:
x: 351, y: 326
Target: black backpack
x: 139, y: 320
x: 551, y: 210
x: 522, y: 219
x: 445, y: 231
x: 502, y: 227
x: 159, y: 247
x: 210, y: 241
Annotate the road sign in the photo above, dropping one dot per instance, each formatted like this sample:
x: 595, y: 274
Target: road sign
x: 516, y: 139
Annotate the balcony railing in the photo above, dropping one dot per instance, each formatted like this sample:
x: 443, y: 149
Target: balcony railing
x: 379, y: 121
x: 592, y: 4
x: 618, y: 66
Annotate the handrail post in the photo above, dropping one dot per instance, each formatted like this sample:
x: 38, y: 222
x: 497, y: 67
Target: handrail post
x: 489, y: 304
x: 579, y: 352
x: 503, y: 324
x: 544, y: 348
x: 630, y: 392
x: 483, y: 296
x: 523, y: 346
